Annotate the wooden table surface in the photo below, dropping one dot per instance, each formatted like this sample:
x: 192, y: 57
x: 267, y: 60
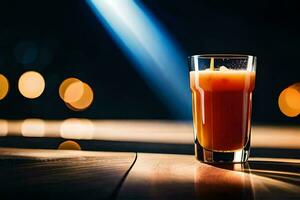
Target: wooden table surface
x: 64, y: 174
x: 161, y: 176
x: 54, y: 174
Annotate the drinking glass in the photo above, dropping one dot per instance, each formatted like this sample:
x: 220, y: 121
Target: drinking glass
x: 222, y: 86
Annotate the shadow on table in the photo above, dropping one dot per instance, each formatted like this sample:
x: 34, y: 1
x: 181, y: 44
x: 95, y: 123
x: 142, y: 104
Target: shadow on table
x: 258, y: 179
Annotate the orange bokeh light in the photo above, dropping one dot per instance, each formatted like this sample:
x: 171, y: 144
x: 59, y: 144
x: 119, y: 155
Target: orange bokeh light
x: 293, y: 96
x: 71, y: 90
x: 4, y: 86
x: 76, y: 94
x: 31, y: 84
x: 69, y: 145
x: 85, y: 101
x: 289, y: 100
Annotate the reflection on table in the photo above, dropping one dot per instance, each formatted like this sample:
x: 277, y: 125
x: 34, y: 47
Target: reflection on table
x: 159, y: 176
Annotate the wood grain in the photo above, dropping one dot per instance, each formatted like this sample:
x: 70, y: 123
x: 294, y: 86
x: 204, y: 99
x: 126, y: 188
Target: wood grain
x: 54, y: 174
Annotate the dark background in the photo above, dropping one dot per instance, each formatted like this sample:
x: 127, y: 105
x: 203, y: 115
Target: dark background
x: 66, y: 39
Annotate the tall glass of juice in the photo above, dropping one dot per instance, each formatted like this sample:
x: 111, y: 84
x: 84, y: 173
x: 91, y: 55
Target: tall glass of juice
x: 222, y: 86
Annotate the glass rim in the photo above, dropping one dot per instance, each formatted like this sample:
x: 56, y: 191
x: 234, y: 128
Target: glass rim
x: 224, y: 56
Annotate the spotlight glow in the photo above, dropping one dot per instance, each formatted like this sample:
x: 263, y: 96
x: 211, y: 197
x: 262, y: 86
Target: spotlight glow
x: 152, y: 50
x: 4, y: 86
x: 31, y: 84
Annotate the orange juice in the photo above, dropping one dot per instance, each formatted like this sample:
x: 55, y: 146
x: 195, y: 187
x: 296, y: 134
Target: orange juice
x: 222, y: 102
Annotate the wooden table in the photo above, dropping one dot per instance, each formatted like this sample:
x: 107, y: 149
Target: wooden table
x: 54, y: 174
x: 156, y: 173
x: 161, y: 176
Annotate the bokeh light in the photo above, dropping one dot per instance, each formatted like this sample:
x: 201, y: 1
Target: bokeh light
x: 293, y: 97
x: 69, y: 145
x: 33, y: 128
x: 289, y: 100
x: 4, y: 86
x: 3, y: 127
x: 31, y: 84
x: 74, y: 128
x: 71, y: 89
x: 76, y: 94
x: 85, y: 101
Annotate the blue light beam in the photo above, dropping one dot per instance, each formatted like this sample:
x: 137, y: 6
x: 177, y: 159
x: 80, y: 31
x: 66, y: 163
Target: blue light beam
x: 151, y: 49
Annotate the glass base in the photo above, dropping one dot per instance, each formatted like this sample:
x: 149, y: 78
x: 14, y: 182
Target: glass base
x: 208, y: 156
